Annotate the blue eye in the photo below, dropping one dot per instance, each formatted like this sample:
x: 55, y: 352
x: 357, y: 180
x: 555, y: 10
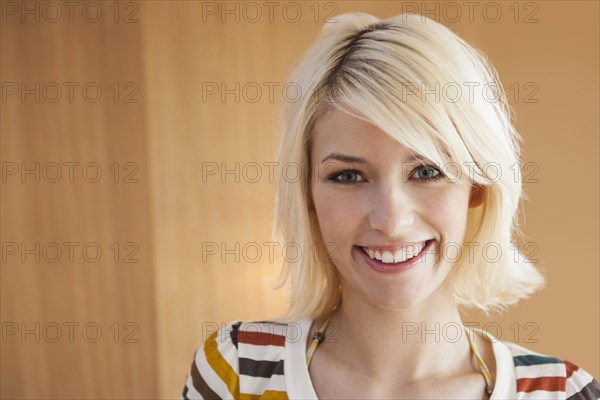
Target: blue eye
x: 423, y: 173
x: 427, y: 173
x: 346, y: 177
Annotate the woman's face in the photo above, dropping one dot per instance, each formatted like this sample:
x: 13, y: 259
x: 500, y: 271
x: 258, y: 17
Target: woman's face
x: 384, y: 202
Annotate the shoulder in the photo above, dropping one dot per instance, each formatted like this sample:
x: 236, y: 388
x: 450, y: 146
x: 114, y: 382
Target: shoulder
x: 535, y: 371
x: 214, y: 372
x: 253, y: 351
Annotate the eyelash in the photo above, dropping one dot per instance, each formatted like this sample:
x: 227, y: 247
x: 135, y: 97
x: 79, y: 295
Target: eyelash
x: 333, y: 177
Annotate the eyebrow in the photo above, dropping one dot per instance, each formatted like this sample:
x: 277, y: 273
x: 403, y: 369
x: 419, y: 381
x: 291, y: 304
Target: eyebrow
x: 352, y: 159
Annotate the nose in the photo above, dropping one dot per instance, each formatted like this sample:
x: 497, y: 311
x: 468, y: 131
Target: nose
x: 392, y: 210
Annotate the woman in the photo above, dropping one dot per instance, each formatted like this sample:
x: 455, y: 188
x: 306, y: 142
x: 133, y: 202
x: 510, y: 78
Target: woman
x: 408, y: 207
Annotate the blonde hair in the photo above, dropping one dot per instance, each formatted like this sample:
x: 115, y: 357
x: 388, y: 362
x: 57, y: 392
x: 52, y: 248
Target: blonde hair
x: 383, y: 72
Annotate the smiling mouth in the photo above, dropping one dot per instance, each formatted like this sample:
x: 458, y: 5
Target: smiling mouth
x: 400, y: 256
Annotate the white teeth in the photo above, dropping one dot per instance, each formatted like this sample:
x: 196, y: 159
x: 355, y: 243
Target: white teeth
x: 387, y: 257
x: 401, y: 255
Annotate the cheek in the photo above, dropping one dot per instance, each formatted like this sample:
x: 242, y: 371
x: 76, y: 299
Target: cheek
x: 446, y: 209
x: 336, y: 213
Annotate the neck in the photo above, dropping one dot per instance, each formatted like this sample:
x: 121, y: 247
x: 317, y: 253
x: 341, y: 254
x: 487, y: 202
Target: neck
x: 407, y: 345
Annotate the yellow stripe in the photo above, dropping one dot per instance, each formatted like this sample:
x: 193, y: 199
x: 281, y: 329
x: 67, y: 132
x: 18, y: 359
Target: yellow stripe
x: 268, y: 394
x: 487, y: 376
x: 311, y: 350
x: 220, y: 365
x: 315, y: 342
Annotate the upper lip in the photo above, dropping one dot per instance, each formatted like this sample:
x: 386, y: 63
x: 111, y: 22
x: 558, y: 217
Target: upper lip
x: 394, y: 248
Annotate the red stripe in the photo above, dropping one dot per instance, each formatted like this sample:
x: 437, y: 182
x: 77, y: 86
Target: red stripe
x: 260, y: 338
x: 570, y: 368
x: 548, y: 383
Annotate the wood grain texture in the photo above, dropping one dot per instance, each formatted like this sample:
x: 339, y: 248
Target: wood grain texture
x: 75, y: 292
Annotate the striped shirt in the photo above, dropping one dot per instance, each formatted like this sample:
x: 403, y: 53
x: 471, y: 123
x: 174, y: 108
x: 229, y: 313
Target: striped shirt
x: 252, y: 360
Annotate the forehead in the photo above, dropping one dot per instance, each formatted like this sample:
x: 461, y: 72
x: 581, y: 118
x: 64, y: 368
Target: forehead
x: 339, y: 131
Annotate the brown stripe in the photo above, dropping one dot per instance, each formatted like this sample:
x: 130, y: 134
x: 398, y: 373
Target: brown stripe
x: 589, y: 391
x: 200, y: 384
x: 570, y: 368
x: 260, y: 368
x: 548, y: 383
x: 260, y: 338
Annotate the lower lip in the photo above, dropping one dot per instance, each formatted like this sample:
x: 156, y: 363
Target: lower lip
x: 398, y: 267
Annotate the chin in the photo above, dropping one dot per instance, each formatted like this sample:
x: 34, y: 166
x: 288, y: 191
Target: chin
x: 398, y: 301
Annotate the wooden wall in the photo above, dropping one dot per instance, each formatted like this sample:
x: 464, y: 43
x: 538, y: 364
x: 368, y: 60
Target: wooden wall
x: 184, y: 88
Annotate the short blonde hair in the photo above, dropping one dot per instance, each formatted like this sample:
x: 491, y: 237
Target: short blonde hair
x: 386, y: 72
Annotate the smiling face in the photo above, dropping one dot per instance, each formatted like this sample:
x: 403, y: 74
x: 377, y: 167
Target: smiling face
x: 384, y: 202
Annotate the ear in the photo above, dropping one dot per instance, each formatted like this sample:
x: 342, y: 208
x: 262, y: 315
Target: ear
x: 477, y: 196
